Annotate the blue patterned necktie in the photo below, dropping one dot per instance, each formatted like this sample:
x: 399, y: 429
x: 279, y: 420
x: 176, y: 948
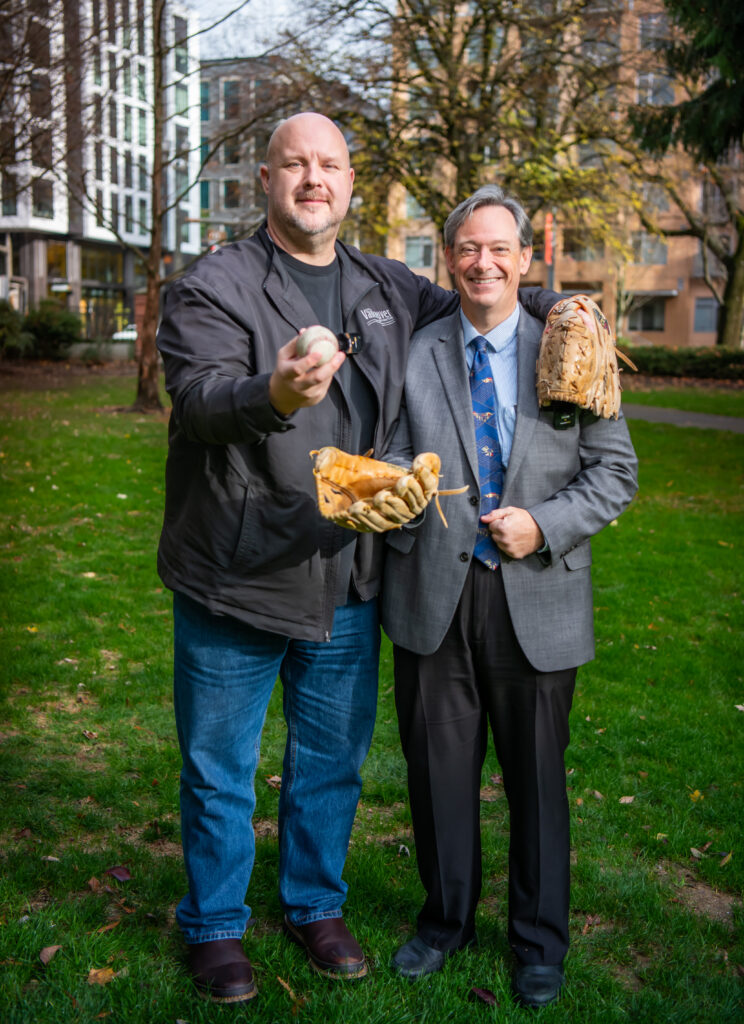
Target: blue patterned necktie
x: 490, y: 466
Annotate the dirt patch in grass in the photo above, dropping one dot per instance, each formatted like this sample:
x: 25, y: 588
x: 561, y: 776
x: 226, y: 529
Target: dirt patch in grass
x: 698, y: 896
x: 647, y: 382
x: 30, y: 375
x: 631, y: 976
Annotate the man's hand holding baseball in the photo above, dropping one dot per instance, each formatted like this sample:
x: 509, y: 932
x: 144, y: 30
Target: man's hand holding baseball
x: 298, y: 382
x: 514, y: 531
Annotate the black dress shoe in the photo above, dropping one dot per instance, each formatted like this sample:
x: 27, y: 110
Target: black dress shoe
x: 331, y: 948
x: 538, y: 984
x: 416, y: 958
x: 221, y: 971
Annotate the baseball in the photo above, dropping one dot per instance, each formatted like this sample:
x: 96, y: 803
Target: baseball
x: 317, y: 339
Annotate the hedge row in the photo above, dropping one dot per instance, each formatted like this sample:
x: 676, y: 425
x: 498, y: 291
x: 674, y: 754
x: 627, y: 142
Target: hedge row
x: 43, y: 333
x: 713, y: 363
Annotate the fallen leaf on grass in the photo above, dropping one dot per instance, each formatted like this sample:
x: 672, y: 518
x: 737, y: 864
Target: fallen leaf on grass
x: 627, y: 799
x: 275, y: 781
x: 727, y: 858
x: 484, y: 995
x: 101, y: 975
x: 739, y: 707
x: 297, y: 1001
x: 597, y: 795
x: 47, y: 953
x: 107, y: 927
x: 592, y: 920
x: 90, y: 735
x: 697, y: 795
x: 695, y: 853
x: 120, y: 873
x: 52, y: 860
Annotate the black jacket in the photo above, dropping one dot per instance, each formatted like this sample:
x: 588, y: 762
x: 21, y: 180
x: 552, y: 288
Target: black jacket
x: 241, y: 532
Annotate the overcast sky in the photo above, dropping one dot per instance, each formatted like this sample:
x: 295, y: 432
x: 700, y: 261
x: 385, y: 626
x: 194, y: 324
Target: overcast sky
x: 245, y: 33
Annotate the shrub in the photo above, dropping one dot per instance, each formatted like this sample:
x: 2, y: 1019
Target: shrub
x: 53, y: 329
x: 714, y: 363
x: 14, y: 341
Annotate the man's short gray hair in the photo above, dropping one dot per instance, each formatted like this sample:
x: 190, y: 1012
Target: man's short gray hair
x: 488, y: 195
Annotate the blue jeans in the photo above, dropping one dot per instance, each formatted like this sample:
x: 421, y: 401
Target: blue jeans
x: 224, y: 672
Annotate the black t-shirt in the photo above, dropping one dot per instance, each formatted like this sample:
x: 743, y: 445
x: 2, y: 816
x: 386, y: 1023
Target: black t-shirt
x: 350, y: 391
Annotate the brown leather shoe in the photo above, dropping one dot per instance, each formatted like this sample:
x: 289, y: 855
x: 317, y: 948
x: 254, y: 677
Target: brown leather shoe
x: 221, y: 971
x: 331, y: 948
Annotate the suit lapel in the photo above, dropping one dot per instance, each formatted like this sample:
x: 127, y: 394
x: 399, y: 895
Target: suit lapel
x: 449, y: 356
x: 528, y: 345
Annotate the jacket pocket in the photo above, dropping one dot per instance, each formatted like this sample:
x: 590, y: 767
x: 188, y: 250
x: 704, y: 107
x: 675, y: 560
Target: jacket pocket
x: 401, y: 540
x: 278, y: 530
x: 579, y: 557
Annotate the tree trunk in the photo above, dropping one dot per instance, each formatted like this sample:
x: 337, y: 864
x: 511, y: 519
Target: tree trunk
x: 148, y: 397
x: 731, y: 319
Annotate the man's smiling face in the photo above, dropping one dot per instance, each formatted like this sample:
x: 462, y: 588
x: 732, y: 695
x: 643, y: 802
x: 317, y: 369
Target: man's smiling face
x: 308, y: 180
x: 487, y: 262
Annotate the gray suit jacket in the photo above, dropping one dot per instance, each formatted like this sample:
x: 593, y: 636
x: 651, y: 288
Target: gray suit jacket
x: 573, y: 482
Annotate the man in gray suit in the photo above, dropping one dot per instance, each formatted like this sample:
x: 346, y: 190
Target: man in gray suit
x: 491, y: 617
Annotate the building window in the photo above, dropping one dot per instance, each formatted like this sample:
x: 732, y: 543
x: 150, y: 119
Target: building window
x: 99, y: 161
x: 142, y: 135
x: 648, y: 249
x: 128, y: 214
x: 128, y: 171
x: 41, y: 148
x: 42, y: 199
x: 40, y: 97
x: 577, y: 246
x: 182, y: 185
x: 204, y: 194
x: 39, y: 50
x: 127, y: 77
x: 419, y: 251
x: 115, y: 211
x: 655, y: 197
x: 127, y: 124
x: 414, y: 209
x: 10, y: 191
x: 141, y: 26
x: 204, y: 150
x: 231, y: 194
x: 706, y: 316
x: 205, y: 101
x: 144, y: 178
x: 652, y: 29
x: 180, y: 31
x: 113, y: 72
x: 99, y: 208
x: 655, y: 90
x: 143, y: 226
x: 648, y: 317
x: 231, y: 151
x: 231, y: 98
x: 182, y: 100
x: 112, y: 120
x: 141, y: 82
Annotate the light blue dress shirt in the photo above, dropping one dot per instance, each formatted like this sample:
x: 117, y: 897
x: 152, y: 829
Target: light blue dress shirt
x: 502, y: 355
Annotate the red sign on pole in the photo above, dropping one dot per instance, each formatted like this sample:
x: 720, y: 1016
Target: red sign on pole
x: 549, y: 239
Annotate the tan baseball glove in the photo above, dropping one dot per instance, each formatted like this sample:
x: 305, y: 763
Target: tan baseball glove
x: 370, y: 496
x: 578, y: 358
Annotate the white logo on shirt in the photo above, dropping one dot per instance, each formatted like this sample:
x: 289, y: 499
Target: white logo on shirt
x: 379, y: 316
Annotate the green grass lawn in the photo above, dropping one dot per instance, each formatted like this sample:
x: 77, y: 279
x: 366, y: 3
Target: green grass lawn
x: 89, y: 764
x: 689, y: 397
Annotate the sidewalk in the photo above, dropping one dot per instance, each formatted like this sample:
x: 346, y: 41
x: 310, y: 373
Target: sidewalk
x: 706, y: 421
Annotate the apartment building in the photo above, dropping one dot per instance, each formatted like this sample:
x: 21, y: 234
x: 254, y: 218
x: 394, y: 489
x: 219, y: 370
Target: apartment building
x: 77, y: 175
x: 652, y: 287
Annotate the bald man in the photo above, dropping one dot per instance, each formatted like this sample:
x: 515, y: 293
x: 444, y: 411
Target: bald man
x: 263, y: 585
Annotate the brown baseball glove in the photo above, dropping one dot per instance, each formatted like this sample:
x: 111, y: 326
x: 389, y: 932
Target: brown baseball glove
x: 578, y: 358
x: 370, y: 496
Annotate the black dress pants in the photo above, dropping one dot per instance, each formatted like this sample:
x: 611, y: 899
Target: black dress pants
x: 445, y: 702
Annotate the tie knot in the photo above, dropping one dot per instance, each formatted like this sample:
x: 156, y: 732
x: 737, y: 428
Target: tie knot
x: 481, y: 344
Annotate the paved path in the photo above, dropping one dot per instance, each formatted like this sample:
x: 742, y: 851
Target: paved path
x: 707, y: 421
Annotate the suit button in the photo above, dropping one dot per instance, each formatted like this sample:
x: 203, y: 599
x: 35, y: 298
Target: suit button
x: 464, y: 556
x: 474, y: 500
